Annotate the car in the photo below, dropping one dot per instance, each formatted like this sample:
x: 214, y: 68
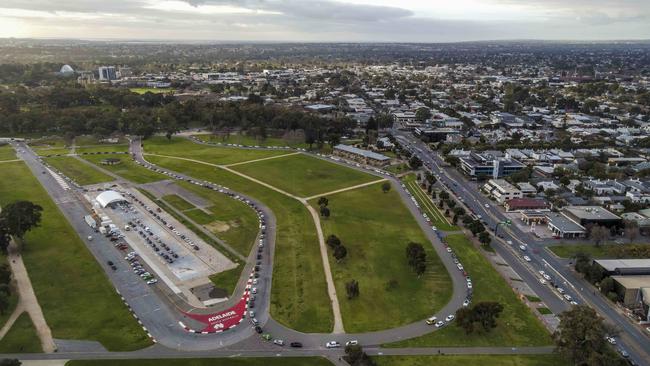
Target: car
x: 254, y: 290
x: 450, y: 317
x: 296, y: 344
x: 542, y: 281
x: 151, y: 282
x: 560, y: 290
x: 487, y: 206
x: 110, y: 263
x: 258, y: 329
x: 440, y: 324
x: 469, y: 285
x: 332, y: 344
x: 527, y: 258
x: 522, y: 247
x: 573, y: 302
x: 623, y: 353
x: 568, y: 297
x: 448, y: 250
x: 251, y: 314
x: 611, y: 340
x: 546, y: 277
x: 353, y: 342
x: 466, y: 302
x: 509, y: 242
x: 431, y: 320
x: 278, y: 342
x: 114, y: 268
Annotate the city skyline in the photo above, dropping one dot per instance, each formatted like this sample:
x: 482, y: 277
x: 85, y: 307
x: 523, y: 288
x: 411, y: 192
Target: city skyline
x: 326, y: 20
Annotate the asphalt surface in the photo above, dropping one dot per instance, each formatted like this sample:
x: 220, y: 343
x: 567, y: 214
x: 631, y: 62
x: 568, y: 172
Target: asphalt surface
x: 631, y: 337
x: 161, y: 318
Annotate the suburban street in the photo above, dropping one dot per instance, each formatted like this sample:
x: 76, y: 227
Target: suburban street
x: 631, y: 337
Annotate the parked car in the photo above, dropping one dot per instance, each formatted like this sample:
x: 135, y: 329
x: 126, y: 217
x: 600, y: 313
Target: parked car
x: 431, y: 320
x: 332, y: 344
x: 296, y: 344
x: 278, y: 342
x: 353, y: 342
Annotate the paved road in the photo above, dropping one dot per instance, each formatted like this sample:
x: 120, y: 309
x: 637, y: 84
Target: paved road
x: 631, y: 337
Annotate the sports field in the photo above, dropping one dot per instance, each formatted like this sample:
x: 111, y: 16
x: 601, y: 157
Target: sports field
x: 79, y: 302
x: 517, y: 325
x: 299, y: 297
x: 83, y: 174
x: 376, y: 227
x: 181, y: 147
x: 303, y: 175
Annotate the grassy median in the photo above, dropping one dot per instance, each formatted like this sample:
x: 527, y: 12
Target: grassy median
x: 78, y: 302
x: 80, y: 172
x: 230, y: 361
x: 470, y: 360
x: 126, y: 168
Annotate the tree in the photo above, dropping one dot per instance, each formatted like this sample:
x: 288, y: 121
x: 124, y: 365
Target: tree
x: 465, y: 319
x: 5, y: 239
x: 422, y: 114
x: 484, y: 314
x: 333, y: 241
x: 385, y: 187
x: 10, y: 362
x: 323, y: 201
x: 444, y: 195
x: 20, y: 217
x: 352, y: 289
x: 416, y: 257
x: 324, y: 211
x: 580, y: 336
x: 415, y: 162
x: 631, y: 230
x: 598, y: 234
x: 607, y: 285
x: 340, y: 252
x: 4, y: 302
x: 433, y: 194
x: 355, y: 356
x: 485, y: 238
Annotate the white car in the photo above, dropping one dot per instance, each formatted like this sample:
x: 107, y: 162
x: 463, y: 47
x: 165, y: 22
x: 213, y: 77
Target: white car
x: 527, y: 258
x: 546, y: 277
x: 466, y: 303
x: 254, y: 290
x: 353, y: 342
x: 542, y: 281
x: 568, y: 297
x: 448, y: 250
x: 573, y: 302
x: 560, y: 290
x: 151, y: 282
x: 469, y: 285
x: 440, y: 324
x: 611, y: 340
x: 332, y: 344
x: 522, y: 247
x: 450, y: 317
x: 487, y: 206
x: 509, y: 242
x: 278, y: 342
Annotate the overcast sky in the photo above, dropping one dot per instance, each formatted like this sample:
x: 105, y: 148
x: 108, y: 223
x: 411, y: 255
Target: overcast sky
x: 327, y: 20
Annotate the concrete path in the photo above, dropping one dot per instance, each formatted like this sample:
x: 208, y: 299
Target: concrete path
x: 262, y: 159
x: 10, y: 161
x: 28, y: 298
x: 345, y: 189
x: 12, y: 319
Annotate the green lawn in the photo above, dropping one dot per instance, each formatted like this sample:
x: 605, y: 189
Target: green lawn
x: 471, y: 360
x: 46, y: 151
x: 376, y: 227
x: 127, y: 169
x: 50, y: 141
x: 544, y: 311
x: 178, y: 202
x: 426, y: 204
x: 398, y: 168
x: 78, y: 302
x: 299, y: 297
x: 227, y: 280
x: 88, y: 140
x: 516, y: 327
x: 13, y: 296
x: 230, y: 220
x: 304, y: 175
x: 21, y: 338
x: 7, y: 153
x: 245, y: 140
x: 82, y: 173
x: 603, y: 251
x: 185, y: 148
x: 230, y: 361
x: 102, y: 149
x: 151, y: 90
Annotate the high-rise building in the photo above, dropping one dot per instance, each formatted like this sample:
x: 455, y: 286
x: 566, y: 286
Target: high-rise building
x: 107, y: 73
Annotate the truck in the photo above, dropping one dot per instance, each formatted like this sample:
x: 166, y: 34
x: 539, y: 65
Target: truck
x: 90, y: 221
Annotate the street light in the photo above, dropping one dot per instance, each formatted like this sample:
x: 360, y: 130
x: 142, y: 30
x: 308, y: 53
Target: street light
x: 504, y: 223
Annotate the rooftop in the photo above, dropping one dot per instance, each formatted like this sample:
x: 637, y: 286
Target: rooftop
x: 630, y: 282
x: 564, y: 224
x: 591, y: 213
x: 614, y: 264
x: 364, y: 153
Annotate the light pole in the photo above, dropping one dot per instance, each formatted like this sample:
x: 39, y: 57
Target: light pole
x: 504, y: 223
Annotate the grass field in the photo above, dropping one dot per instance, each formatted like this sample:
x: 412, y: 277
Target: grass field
x: 426, y: 204
x: 21, y: 338
x: 304, y: 175
x: 50, y: 141
x: 398, y: 168
x: 102, y: 149
x: 185, y: 148
x: 230, y: 220
x: 245, y: 140
x: 178, y: 202
x: 13, y: 296
x: 127, y: 169
x: 461, y: 360
x: 516, y: 327
x: 227, y: 280
x: 603, y: 251
x: 231, y: 361
x: 88, y: 140
x: 7, y: 153
x: 82, y: 173
x: 47, y: 151
x: 299, y: 297
x: 78, y: 302
x: 376, y: 227
x: 544, y: 311
x: 151, y: 90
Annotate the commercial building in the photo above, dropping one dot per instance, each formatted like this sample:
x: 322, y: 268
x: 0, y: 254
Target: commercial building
x: 501, y: 190
x: 625, y: 267
x: 108, y: 198
x: 592, y: 215
x: 488, y: 166
x: 107, y: 73
x: 435, y: 134
x: 519, y: 204
x: 631, y: 289
x: 360, y: 155
x: 564, y: 227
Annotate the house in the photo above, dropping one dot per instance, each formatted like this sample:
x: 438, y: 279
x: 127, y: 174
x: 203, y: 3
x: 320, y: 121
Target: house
x: 501, y: 190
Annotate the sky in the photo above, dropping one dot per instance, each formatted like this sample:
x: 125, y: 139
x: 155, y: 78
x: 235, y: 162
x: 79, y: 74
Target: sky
x: 327, y: 20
